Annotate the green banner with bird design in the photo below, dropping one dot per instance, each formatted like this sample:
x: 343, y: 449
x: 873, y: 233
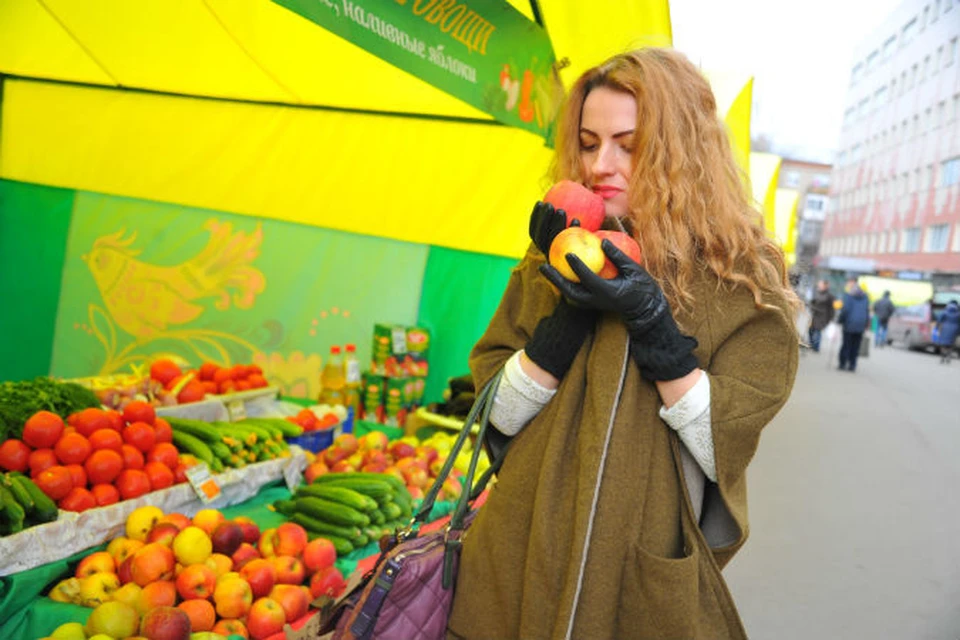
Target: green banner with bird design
x: 143, y: 279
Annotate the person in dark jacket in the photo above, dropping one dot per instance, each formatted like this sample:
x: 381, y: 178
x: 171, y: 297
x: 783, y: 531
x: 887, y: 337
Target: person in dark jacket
x: 883, y: 309
x: 948, y: 326
x: 821, y: 313
x: 854, y: 318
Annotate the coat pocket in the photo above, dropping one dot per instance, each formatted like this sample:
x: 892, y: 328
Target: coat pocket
x: 659, y: 596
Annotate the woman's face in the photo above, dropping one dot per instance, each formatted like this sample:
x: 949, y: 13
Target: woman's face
x: 607, y: 125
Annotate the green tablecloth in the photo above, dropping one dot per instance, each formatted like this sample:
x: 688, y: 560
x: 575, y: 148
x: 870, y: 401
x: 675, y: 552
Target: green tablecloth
x: 27, y: 614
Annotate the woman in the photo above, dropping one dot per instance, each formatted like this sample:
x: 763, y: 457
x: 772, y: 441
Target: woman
x: 948, y: 326
x: 604, y: 523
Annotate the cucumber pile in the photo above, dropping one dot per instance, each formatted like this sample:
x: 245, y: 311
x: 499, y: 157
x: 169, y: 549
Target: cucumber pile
x: 23, y: 504
x: 349, y: 509
x: 233, y: 444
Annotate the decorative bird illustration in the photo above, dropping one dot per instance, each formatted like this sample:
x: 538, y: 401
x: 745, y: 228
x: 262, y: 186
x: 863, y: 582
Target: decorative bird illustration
x: 144, y: 299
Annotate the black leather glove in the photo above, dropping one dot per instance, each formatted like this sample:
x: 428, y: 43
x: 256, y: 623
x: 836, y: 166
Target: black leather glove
x: 545, y: 223
x: 658, y: 347
x: 558, y: 338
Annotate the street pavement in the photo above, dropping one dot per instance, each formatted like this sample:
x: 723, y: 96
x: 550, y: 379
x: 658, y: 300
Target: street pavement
x: 855, y: 505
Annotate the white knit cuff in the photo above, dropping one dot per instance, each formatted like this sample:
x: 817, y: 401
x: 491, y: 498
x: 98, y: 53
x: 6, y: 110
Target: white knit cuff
x: 690, y: 418
x: 519, y: 398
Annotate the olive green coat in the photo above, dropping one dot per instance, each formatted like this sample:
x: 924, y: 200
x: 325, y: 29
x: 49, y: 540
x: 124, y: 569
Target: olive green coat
x: 556, y: 554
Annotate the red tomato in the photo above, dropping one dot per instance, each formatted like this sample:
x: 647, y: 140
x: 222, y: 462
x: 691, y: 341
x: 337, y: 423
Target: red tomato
x: 132, y: 483
x: 116, y: 420
x: 90, y: 420
x: 41, y: 459
x: 193, y: 392
x: 72, y: 448
x: 166, y: 453
x: 222, y: 375
x: 78, y: 474
x: 162, y: 431
x: 227, y: 386
x: 78, y: 500
x: 42, y: 430
x: 210, y: 386
x: 138, y: 411
x: 56, y: 482
x: 103, y: 466
x: 207, y: 371
x: 164, y: 370
x: 106, y: 439
x: 243, y: 385
x: 132, y: 457
x: 254, y: 370
x: 105, y: 494
x: 257, y: 381
x: 140, y: 435
x: 160, y: 475
x: 180, y: 473
x: 14, y: 455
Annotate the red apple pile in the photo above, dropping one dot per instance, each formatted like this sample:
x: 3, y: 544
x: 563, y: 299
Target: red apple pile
x: 223, y: 576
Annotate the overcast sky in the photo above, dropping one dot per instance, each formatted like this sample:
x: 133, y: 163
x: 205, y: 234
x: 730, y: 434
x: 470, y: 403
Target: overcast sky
x: 799, y: 53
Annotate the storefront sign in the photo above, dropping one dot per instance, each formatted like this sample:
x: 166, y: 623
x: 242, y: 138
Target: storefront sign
x: 486, y: 53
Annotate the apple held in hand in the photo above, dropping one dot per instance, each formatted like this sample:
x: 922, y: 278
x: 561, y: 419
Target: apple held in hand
x: 580, y: 242
x: 577, y: 202
x: 623, y: 242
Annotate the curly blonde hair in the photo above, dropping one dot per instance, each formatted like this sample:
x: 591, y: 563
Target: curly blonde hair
x: 688, y: 204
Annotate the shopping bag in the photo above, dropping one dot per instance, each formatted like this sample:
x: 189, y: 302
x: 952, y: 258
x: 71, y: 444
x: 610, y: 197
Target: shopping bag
x: 865, y: 346
x: 409, y: 592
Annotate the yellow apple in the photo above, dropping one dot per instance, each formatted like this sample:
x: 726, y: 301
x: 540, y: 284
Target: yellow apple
x: 141, y: 521
x: 583, y: 244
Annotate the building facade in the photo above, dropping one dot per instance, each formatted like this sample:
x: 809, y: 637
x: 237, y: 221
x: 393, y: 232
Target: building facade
x: 812, y: 181
x: 894, y: 205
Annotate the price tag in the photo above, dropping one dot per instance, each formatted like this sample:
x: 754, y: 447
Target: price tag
x: 237, y: 410
x: 203, y: 483
x: 293, y: 470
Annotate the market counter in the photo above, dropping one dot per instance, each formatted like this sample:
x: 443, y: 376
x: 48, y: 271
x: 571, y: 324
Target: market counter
x: 26, y: 613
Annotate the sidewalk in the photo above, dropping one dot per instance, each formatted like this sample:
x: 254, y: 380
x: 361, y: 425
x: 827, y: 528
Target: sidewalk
x: 855, y: 526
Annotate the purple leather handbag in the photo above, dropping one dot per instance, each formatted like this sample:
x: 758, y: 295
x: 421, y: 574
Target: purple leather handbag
x: 409, y: 592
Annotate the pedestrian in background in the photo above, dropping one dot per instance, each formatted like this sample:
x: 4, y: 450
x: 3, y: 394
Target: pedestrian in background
x: 948, y: 326
x: 821, y: 313
x: 883, y: 309
x: 854, y: 318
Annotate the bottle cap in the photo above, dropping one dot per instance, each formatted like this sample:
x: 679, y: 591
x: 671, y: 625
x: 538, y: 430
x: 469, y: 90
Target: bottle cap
x: 351, y: 348
x: 335, y: 350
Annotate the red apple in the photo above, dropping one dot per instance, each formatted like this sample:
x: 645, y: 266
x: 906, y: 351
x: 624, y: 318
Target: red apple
x: 293, y: 600
x: 265, y: 618
x: 289, y: 569
x: 348, y: 442
x: 165, y: 623
x: 577, y: 202
x: 315, y: 470
x: 261, y: 575
x: 343, y: 467
x: 226, y: 538
x: 318, y: 553
x: 251, y: 531
x: 400, y: 449
x: 123, y: 571
x: 327, y: 582
x: 196, y: 581
x: 163, y: 533
x: 623, y: 242
x: 244, y: 554
x: 580, y: 242
x: 427, y: 453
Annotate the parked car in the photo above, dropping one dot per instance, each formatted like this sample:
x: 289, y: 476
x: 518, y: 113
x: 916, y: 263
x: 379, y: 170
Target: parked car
x: 913, y: 326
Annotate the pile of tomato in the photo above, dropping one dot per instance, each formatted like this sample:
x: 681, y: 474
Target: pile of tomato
x: 98, y: 457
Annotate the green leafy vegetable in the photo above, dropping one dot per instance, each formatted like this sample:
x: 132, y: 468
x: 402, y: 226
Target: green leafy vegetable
x: 20, y: 400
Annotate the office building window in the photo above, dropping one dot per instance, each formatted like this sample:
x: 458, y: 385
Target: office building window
x: 955, y: 247
x: 913, y: 76
x: 951, y: 52
x: 935, y: 11
x: 889, y: 46
x: 911, y: 240
x: 872, y: 61
x: 862, y: 108
x: 925, y: 17
x: 927, y: 119
x: 941, y: 113
x: 907, y: 33
x: 937, y: 236
x: 892, y: 243
x: 950, y: 172
x: 955, y: 112
x: 938, y: 61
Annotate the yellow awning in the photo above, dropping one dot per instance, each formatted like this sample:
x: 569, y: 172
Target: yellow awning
x: 764, y: 175
x: 785, y: 223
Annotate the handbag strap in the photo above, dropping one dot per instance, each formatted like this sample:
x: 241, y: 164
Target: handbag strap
x: 481, y: 408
